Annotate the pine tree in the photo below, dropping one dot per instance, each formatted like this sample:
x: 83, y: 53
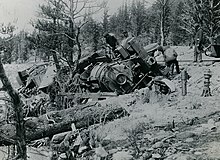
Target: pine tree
x: 121, y: 20
x: 179, y: 36
x: 138, y: 16
x: 163, y: 10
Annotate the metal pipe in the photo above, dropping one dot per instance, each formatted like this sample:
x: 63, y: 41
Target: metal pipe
x: 184, y: 77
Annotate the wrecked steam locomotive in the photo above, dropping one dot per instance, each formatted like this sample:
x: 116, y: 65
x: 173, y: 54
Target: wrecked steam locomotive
x: 99, y: 73
x: 124, y: 74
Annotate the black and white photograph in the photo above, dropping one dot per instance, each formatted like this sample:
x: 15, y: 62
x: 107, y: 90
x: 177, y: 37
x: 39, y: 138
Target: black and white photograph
x: 109, y: 80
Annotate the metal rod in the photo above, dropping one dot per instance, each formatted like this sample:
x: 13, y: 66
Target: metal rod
x: 184, y: 77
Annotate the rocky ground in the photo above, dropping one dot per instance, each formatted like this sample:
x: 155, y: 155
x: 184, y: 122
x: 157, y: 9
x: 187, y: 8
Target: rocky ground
x: 165, y: 127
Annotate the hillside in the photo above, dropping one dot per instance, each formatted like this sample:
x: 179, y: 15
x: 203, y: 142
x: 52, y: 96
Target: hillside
x: 168, y: 127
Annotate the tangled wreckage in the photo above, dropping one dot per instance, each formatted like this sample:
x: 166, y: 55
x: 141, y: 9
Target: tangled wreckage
x: 67, y: 103
x: 100, y: 76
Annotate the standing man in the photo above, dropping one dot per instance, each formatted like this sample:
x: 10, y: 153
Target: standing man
x: 124, y: 42
x: 111, y: 40
x: 170, y: 57
x: 198, y: 44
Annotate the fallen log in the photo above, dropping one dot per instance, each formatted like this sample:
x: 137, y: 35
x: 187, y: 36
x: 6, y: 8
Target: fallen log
x: 56, y: 122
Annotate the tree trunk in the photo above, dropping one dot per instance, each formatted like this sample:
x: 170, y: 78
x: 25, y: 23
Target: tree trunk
x: 161, y: 33
x: 56, y: 61
x: 17, y: 105
x: 162, y: 26
x: 71, y: 43
x: 60, y: 121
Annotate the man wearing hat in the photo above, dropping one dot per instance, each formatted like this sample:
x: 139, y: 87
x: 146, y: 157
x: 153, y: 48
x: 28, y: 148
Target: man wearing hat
x: 198, y: 44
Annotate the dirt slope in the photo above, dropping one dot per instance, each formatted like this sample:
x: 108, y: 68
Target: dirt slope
x: 170, y: 126
x: 182, y: 111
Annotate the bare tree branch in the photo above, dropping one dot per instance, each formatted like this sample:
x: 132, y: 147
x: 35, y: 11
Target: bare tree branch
x: 61, y: 33
x: 80, y: 10
x: 217, y: 5
x: 186, y: 29
x: 5, y: 99
x: 76, y: 6
x: 5, y: 138
x: 3, y: 89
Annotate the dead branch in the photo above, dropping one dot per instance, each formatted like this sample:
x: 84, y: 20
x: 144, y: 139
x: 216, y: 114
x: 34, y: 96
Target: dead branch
x: 82, y: 116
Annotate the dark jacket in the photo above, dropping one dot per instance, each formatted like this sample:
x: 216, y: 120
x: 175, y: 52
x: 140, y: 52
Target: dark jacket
x: 111, y: 40
x: 199, y: 38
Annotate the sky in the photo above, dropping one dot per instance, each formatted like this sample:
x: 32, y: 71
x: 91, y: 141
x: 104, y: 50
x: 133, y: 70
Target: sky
x: 21, y: 12
x: 18, y: 12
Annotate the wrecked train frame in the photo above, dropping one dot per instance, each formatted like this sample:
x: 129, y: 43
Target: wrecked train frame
x: 100, y: 76
x: 105, y: 77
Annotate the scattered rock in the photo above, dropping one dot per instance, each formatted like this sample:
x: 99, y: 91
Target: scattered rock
x: 211, y: 125
x: 199, y: 131
x: 217, y: 124
x: 106, y: 142
x: 180, y: 156
x: 156, y: 156
x: 157, y: 145
x: 198, y: 153
x: 185, y: 135
x: 119, y: 148
x: 141, y: 158
x: 161, y: 135
x: 58, y: 138
x: 62, y: 156
x: 132, y: 152
x: 112, y: 151
x: 147, y: 136
x: 147, y: 155
x: 189, y: 140
x: 100, y: 151
x: 170, y: 151
x: 143, y: 149
x: 122, y: 156
x: 182, y: 146
x: 150, y: 149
